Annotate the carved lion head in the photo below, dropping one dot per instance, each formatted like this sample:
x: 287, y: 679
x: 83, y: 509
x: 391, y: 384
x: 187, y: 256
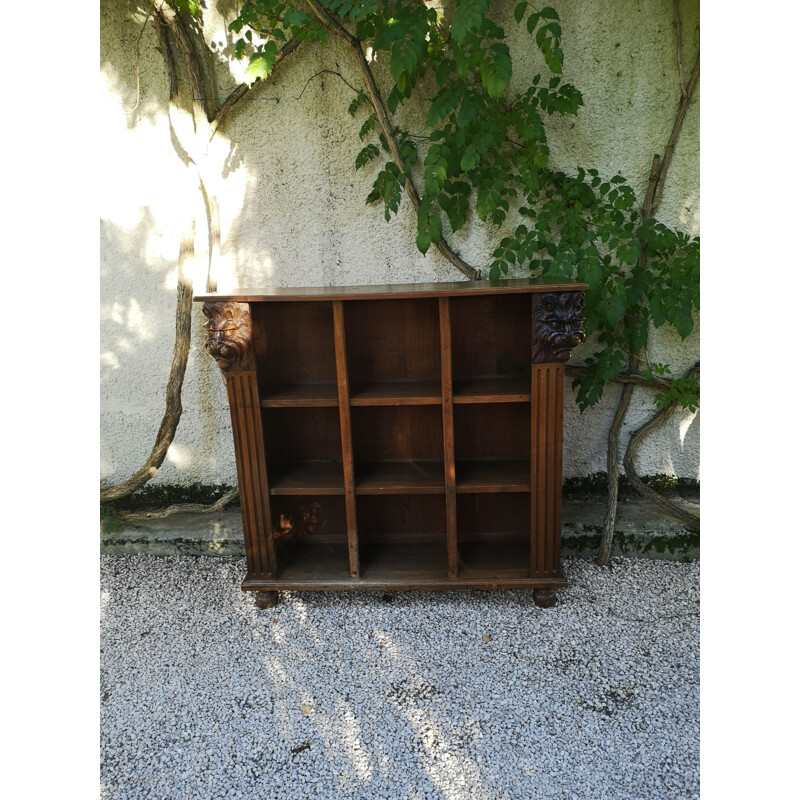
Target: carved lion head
x: 228, y: 333
x: 557, y: 325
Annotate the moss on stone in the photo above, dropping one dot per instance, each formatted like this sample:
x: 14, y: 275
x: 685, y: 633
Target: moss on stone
x: 153, y: 496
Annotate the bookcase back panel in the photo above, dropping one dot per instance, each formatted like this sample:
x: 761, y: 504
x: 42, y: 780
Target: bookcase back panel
x: 392, y: 340
x: 488, y: 517
x: 487, y: 431
x: 302, y: 434
x: 294, y: 343
x: 397, y: 433
x: 491, y: 335
x: 401, y: 518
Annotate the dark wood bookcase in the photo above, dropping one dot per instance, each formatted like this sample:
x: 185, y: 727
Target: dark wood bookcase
x: 398, y: 437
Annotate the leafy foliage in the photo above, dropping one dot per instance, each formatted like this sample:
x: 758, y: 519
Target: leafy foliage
x: 486, y: 154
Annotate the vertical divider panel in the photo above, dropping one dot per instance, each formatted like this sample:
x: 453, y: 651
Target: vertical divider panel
x: 547, y: 424
x: 343, y: 385
x: 447, y: 436
x: 251, y: 465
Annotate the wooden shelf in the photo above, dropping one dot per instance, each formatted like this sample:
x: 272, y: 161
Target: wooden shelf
x: 492, y: 390
x: 399, y: 477
x: 423, y: 566
x: 309, y: 477
x: 396, y: 393
x: 303, y: 395
x: 493, y: 476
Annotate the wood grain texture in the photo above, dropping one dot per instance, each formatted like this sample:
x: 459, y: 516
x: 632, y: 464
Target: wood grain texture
x: 423, y: 566
x: 342, y: 382
x: 251, y: 465
x: 547, y: 409
x: 447, y: 436
x: 399, y: 290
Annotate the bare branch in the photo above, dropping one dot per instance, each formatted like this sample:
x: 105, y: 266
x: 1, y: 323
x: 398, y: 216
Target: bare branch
x: 328, y: 72
x: 676, y: 129
x: 575, y: 371
x: 171, y: 19
x: 182, y: 508
x: 612, y: 470
x: 685, y: 516
x: 679, y: 48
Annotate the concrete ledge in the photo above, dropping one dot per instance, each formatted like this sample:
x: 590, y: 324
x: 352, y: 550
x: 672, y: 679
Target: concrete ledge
x: 640, y: 532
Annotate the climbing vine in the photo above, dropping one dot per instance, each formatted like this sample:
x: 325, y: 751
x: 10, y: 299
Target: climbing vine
x: 484, y: 154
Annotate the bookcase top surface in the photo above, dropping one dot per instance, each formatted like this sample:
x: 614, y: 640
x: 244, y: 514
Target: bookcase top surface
x: 395, y: 290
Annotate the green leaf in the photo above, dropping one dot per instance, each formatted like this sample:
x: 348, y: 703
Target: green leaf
x: 471, y: 158
x: 468, y: 17
x: 443, y: 71
x: 261, y: 63
x: 423, y: 233
x: 496, y: 73
x: 549, y: 13
x: 369, y: 124
x: 367, y: 154
x: 435, y: 222
x: 470, y: 106
x: 294, y: 18
x: 519, y: 11
x: 441, y: 105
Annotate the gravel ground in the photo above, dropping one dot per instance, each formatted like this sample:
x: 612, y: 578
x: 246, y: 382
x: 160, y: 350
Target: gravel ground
x: 404, y: 695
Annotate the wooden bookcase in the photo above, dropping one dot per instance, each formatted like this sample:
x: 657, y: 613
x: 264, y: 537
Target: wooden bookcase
x: 399, y: 437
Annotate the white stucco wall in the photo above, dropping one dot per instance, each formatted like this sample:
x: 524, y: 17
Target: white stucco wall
x: 293, y: 214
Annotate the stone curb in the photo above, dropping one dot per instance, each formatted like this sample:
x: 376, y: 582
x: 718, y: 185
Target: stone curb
x: 640, y: 532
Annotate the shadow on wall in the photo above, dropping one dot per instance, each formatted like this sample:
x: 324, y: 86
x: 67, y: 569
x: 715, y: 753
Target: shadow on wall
x: 291, y: 210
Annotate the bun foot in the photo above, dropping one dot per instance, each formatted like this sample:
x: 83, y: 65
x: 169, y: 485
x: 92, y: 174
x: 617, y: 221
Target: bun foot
x: 544, y: 598
x: 266, y: 599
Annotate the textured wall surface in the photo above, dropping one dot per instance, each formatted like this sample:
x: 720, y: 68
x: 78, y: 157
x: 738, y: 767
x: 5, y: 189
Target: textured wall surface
x: 292, y: 212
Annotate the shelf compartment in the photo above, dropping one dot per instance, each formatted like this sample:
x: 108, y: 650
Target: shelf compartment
x: 392, y: 340
x: 496, y: 560
x: 491, y: 336
x: 396, y: 393
x: 308, y: 518
x: 502, y: 389
x: 404, y: 563
x: 397, y: 433
x: 401, y: 519
x: 305, y: 563
x: 294, y: 344
x: 492, y: 432
x: 294, y: 435
x: 495, y: 516
x: 399, y: 477
x: 306, y: 477
x: 300, y: 395
x: 308, y: 566
x: 493, y: 476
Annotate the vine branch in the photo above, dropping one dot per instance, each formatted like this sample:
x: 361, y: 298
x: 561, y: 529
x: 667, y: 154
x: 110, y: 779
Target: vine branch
x: 243, y: 88
x: 326, y: 72
x: 182, y: 508
x: 354, y: 44
x: 677, y: 13
x: 668, y: 506
x: 655, y: 186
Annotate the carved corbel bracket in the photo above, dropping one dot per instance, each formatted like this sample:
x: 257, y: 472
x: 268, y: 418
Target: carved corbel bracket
x: 228, y: 335
x: 557, y: 325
